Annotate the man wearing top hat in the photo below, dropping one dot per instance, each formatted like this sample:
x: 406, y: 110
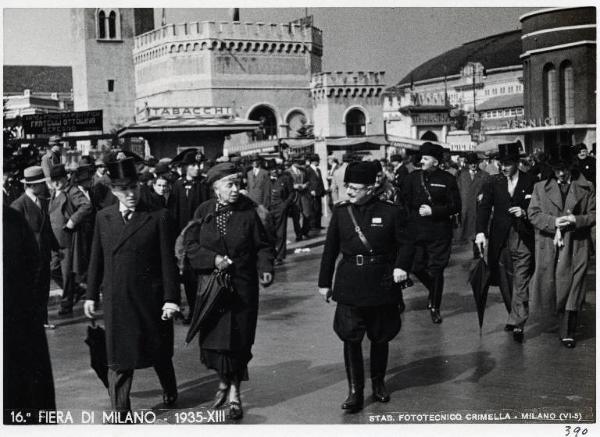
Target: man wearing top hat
x: 368, y: 233
x: 34, y: 207
x: 505, y: 200
x: 133, y: 259
x: 431, y: 198
x: 72, y: 219
x: 470, y: 180
x: 563, y: 212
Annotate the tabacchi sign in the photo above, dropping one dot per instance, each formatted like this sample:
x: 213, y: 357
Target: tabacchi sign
x: 184, y: 112
x: 61, y: 122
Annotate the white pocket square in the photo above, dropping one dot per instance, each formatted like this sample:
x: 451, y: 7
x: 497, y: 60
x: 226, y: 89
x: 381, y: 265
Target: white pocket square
x: 527, y: 196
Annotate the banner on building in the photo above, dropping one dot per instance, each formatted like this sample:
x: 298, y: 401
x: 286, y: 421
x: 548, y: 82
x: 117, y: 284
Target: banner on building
x: 62, y: 122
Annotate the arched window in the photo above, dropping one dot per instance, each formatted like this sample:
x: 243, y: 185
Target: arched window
x: 567, y: 94
x: 268, y: 123
x: 429, y: 136
x: 298, y: 125
x: 355, y: 123
x: 550, y: 92
x: 112, y: 25
x: 101, y: 28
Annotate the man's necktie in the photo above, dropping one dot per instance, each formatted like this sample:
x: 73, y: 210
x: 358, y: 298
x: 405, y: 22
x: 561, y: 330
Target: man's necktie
x: 127, y: 215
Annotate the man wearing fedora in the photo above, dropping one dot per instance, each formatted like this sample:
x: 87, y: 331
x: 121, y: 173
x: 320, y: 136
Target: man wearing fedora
x: 470, y: 180
x: 563, y: 212
x: 34, y: 207
x: 189, y: 192
x: 133, y: 260
x: 431, y: 198
x: 72, y: 218
x: 258, y: 181
x: 505, y: 199
x: 53, y: 155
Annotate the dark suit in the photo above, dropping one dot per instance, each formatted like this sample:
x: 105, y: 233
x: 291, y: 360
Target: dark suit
x: 279, y: 201
x: 511, y: 241
x: 258, y: 185
x: 302, y: 204
x: 135, y: 264
x: 72, y: 204
x: 315, y: 183
x: 39, y: 221
x: 28, y: 382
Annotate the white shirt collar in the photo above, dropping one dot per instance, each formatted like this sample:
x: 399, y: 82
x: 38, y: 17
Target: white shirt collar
x: 123, y: 208
x: 33, y: 197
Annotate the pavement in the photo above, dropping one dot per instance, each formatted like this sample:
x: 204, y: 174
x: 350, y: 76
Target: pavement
x: 448, y: 373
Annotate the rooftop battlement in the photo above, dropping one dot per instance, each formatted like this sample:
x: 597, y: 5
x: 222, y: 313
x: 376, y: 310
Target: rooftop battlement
x: 348, y: 79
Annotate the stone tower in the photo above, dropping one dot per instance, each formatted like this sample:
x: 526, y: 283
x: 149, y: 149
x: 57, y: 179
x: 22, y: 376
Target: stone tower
x: 103, y: 73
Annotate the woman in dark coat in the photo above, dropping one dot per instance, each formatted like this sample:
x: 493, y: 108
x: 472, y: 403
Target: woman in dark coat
x: 231, y: 237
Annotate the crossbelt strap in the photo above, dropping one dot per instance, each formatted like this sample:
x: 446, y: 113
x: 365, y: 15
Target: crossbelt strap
x: 359, y: 232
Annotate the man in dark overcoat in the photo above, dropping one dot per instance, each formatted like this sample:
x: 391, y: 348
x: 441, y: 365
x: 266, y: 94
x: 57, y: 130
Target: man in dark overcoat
x: 301, y: 208
x: 470, y: 180
x: 28, y: 381
x: 133, y: 259
x: 34, y: 207
x: 316, y: 189
x: 431, y: 197
x: 72, y: 218
x: 279, y: 200
x: 258, y: 181
x: 505, y: 200
x: 366, y: 287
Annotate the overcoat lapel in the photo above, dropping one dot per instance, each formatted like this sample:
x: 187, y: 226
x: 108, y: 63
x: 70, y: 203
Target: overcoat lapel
x: 137, y: 220
x: 553, y: 193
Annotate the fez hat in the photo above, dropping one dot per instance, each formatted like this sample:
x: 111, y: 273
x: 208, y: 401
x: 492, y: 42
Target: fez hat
x: 33, y: 175
x: 122, y: 172
x: 58, y: 171
x: 189, y: 159
x: 434, y: 150
x: 559, y: 155
x: 580, y: 146
x: 363, y: 172
x: 220, y: 171
x: 471, y: 158
x: 508, y: 152
x: 83, y: 173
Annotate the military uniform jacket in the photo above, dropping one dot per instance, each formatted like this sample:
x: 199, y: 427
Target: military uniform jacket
x: 444, y: 202
x: 280, y: 193
x: 135, y: 264
x: 497, y: 199
x: 370, y: 284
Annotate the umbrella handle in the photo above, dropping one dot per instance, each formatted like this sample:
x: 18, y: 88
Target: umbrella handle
x: 93, y: 322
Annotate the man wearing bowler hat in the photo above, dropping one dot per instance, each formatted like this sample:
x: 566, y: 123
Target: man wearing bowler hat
x: 563, y: 212
x: 72, y: 219
x: 431, y: 198
x: 368, y: 233
x: 34, y: 207
x: 505, y: 199
x: 133, y: 259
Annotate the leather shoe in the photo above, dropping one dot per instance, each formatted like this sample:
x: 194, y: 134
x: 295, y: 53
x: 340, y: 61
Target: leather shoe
x: 380, y: 394
x: 235, y: 410
x: 518, y: 335
x: 509, y: 328
x: 169, y: 398
x: 354, y: 402
x: 220, y: 397
x: 569, y: 343
x: 435, y: 316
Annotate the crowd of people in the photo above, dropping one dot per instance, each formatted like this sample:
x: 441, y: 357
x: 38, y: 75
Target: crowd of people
x: 108, y: 227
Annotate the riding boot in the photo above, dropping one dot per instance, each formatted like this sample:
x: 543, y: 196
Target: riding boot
x: 379, y: 359
x: 438, y: 288
x: 356, y: 377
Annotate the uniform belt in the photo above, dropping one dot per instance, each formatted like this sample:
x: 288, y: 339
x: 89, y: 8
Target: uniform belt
x: 361, y: 260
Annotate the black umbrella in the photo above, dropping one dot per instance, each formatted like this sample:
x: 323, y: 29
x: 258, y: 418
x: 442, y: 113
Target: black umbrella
x: 96, y: 340
x: 479, y: 278
x: 214, y: 297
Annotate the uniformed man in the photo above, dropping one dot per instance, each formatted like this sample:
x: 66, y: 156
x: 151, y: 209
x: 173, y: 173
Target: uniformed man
x: 367, y: 289
x: 431, y: 198
x: 505, y: 200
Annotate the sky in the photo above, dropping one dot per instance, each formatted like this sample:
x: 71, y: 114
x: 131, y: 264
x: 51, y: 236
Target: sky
x: 394, y: 40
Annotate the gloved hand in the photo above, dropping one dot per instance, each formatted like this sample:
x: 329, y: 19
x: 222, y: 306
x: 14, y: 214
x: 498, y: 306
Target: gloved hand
x: 481, y: 241
x: 169, y: 310
x: 326, y: 293
x: 89, y: 307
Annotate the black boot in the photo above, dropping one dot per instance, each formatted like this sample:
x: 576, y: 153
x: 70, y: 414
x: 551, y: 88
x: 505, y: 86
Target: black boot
x: 356, y: 377
x: 379, y: 358
x: 436, y: 298
x: 427, y: 282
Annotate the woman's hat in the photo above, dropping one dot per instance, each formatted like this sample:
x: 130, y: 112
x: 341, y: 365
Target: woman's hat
x: 122, y: 172
x: 363, y: 172
x: 33, y: 175
x: 220, y: 171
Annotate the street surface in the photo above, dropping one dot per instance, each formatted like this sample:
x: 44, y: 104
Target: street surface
x: 297, y: 374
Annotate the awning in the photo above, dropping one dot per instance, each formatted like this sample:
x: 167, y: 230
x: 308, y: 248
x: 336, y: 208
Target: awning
x: 373, y: 142
x: 411, y: 143
x: 298, y: 143
x: 225, y: 125
x: 491, y: 145
x: 531, y: 129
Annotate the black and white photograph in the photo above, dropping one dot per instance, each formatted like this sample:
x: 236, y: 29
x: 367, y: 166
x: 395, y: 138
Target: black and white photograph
x: 381, y: 216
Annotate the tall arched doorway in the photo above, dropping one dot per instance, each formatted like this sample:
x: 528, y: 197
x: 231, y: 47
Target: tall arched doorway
x: 355, y: 123
x: 268, y: 123
x: 429, y: 136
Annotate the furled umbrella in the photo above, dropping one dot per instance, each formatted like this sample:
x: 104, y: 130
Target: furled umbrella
x: 479, y: 278
x: 212, y: 300
x: 96, y: 340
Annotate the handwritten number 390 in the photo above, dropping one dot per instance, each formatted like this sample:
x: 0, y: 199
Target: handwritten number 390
x: 575, y: 431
